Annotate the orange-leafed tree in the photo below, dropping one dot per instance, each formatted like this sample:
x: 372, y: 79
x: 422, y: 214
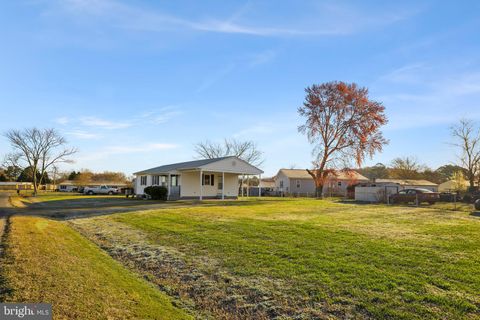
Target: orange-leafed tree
x: 343, y: 125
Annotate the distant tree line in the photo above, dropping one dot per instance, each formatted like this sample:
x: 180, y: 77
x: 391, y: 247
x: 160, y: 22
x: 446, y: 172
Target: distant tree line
x: 410, y: 168
x: 85, y: 176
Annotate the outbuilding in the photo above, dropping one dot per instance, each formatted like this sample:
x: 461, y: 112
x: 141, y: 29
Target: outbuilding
x: 381, y: 189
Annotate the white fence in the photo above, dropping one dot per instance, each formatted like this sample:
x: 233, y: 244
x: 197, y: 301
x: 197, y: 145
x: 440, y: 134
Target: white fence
x: 374, y: 194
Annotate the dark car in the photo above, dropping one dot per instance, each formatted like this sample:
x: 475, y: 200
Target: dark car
x: 416, y: 195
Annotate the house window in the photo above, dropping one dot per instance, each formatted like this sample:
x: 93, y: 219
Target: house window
x: 220, y: 183
x: 155, y: 180
x: 208, y: 180
x: 143, y: 180
x: 174, y: 180
x: 339, y: 183
x: 298, y: 184
x: 281, y: 183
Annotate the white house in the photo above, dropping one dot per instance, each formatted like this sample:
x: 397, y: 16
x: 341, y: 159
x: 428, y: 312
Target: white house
x: 207, y: 178
x: 300, y: 182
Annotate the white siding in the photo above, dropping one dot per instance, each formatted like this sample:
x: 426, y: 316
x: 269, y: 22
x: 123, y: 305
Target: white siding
x: 232, y: 165
x: 190, y: 186
x: 138, y: 187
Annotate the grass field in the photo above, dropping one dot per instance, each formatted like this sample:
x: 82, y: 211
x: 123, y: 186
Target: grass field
x: 47, y: 261
x: 261, y: 259
x: 303, y: 258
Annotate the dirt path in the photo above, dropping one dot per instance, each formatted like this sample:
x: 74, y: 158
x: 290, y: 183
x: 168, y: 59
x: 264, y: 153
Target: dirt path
x: 4, y: 228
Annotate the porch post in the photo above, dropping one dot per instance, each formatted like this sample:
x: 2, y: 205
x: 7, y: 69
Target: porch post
x: 248, y: 185
x: 223, y: 185
x: 260, y: 185
x: 201, y: 185
x: 168, y: 186
x: 243, y: 177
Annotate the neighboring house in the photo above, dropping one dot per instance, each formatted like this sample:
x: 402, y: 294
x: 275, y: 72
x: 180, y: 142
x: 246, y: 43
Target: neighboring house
x: 381, y: 189
x: 207, y: 178
x: 267, y: 185
x: 16, y: 186
x: 300, y: 182
x: 74, y: 186
x: 67, y: 186
x: 452, y: 186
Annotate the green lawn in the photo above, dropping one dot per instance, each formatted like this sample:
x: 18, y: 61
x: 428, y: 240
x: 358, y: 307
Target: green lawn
x: 304, y: 258
x: 47, y: 261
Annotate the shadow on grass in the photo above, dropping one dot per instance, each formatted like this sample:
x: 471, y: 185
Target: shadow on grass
x: 78, y: 207
x: 475, y: 214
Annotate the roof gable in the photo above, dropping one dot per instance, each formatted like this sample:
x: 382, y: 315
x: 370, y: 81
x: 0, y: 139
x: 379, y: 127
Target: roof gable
x: 222, y: 164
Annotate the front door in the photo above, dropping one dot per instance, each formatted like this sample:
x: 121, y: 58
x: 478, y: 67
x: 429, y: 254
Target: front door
x: 174, y: 187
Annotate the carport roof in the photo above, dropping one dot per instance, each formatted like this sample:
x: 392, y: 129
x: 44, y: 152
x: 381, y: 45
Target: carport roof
x: 407, y: 182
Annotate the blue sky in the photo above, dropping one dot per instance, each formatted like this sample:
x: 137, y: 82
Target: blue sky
x: 134, y: 84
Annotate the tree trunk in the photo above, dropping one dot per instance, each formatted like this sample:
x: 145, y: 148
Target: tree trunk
x: 35, y: 186
x: 319, y: 191
x: 471, y: 181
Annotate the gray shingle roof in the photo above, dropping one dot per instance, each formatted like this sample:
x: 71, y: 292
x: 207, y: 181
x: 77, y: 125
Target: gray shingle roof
x: 181, y: 165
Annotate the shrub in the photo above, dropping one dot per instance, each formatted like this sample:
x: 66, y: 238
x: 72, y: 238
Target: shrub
x: 157, y: 192
x: 467, y: 198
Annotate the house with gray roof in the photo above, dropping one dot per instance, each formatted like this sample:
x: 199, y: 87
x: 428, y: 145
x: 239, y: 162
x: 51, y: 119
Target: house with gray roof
x: 300, y: 182
x: 199, y: 179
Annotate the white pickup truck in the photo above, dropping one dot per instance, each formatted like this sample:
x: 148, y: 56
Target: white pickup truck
x: 100, y: 190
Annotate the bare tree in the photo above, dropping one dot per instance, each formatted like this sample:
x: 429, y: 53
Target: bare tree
x: 39, y: 149
x: 406, y: 168
x: 343, y: 125
x: 245, y: 150
x: 467, y: 139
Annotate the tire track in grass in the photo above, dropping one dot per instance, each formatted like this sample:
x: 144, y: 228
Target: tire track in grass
x: 200, y: 283
x: 5, y: 223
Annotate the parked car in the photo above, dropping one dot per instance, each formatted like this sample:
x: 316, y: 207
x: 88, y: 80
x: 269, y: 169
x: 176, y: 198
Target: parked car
x: 450, y: 197
x: 100, y: 190
x: 414, y: 195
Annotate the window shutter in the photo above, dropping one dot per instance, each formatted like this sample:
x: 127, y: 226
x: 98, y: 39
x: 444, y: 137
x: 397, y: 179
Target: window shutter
x: 212, y: 183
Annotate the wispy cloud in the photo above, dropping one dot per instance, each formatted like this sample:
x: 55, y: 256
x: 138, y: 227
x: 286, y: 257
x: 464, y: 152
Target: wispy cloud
x: 255, y: 130
x: 330, y: 19
x: 116, y: 150
x: 262, y: 57
x: 84, y: 135
x: 247, y: 61
x: 84, y: 125
x: 161, y: 115
x: 62, y: 120
x: 431, y: 93
x: 211, y: 79
x: 104, y: 124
